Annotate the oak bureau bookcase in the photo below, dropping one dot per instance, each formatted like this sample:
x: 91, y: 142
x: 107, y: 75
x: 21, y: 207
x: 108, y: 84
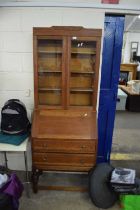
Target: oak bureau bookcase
x: 64, y: 129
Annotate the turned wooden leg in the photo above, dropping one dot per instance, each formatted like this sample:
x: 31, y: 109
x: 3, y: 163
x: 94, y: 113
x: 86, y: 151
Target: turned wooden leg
x: 35, y: 178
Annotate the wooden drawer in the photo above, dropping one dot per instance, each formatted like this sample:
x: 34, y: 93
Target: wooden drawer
x: 55, y: 159
x: 64, y: 146
x: 75, y: 168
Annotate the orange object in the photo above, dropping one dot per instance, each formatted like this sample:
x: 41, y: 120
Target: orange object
x: 110, y: 1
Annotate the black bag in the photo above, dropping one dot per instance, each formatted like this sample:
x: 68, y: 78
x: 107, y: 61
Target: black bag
x: 5, y: 202
x: 14, y: 118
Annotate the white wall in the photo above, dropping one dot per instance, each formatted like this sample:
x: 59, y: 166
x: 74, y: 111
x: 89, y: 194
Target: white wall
x: 124, y: 6
x: 130, y: 37
x: 16, y: 59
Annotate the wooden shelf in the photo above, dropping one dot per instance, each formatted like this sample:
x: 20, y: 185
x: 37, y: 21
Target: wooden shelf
x: 81, y: 90
x: 48, y: 71
x: 82, y: 72
x: 60, y: 52
x: 49, y: 52
x: 83, y: 50
x: 83, y: 53
x: 49, y: 89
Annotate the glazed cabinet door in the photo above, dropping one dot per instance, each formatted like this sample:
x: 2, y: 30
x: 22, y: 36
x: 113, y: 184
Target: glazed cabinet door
x: 49, y: 69
x: 66, y: 63
x: 83, y: 71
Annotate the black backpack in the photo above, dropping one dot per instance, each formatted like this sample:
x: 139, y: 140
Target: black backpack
x: 14, y: 118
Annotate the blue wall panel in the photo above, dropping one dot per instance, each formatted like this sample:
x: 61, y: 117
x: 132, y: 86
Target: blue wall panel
x: 112, y: 47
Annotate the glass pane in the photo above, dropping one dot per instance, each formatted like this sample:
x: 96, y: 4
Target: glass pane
x: 81, y: 81
x: 80, y: 99
x: 82, y: 69
x: 50, y: 55
x: 50, y: 80
x: 83, y: 56
x: 50, y: 97
x: 50, y: 71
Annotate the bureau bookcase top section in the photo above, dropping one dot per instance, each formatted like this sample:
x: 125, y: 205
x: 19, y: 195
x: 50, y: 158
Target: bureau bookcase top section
x: 66, y: 66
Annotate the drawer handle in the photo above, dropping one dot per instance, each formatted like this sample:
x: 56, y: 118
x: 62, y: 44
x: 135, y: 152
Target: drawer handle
x: 45, y: 158
x: 83, y: 147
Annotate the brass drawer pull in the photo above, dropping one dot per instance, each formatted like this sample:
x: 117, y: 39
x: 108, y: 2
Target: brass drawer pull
x: 45, y: 158
x: 44, y: 145
x: 83, y: 147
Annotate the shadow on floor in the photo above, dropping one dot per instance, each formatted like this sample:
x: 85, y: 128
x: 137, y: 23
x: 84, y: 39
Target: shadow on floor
x: 60, y: 200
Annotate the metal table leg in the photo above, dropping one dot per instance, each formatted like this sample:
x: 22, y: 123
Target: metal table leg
x: 6, y: 160
x: 26, y: 167
x: 27, y: 174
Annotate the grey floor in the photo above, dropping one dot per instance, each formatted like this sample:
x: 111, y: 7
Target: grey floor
x: 54, y: 200
x: 126, y: 139
x: 60, y: 200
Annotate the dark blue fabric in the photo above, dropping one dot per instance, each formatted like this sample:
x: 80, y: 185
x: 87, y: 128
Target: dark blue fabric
x: 12, y: 139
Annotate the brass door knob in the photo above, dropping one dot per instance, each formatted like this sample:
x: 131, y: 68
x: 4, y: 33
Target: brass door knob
x: 83, y: 146
x: 45, y: 158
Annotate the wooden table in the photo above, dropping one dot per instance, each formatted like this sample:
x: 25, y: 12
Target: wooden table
x: 128, y: 90
x: 14, y: 149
